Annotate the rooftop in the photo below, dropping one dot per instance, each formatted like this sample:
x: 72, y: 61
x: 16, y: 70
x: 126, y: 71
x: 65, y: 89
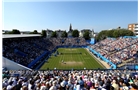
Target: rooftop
x: 19, y: 35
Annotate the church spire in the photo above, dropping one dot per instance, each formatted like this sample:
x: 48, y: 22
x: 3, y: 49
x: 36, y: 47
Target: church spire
x: 70, y: 29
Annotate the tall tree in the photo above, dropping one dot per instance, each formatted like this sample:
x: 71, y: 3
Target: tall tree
x: 86, y: 35
x: 54, y: 34
x: 75, y: 33
x: 64, y: 34
x: 43, y: 33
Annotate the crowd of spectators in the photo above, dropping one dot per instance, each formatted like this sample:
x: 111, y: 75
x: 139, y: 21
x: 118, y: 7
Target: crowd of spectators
x: 124, y: 54
x: 124, y: 48
x: 70, y: 80
x: 73, y: 41
x: 33, y: 47
x: 25, y: 45
x: 42, y: 43
x: 117, y: 50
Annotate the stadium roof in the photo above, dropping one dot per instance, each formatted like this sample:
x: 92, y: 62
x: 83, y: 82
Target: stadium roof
x: 19, y: 35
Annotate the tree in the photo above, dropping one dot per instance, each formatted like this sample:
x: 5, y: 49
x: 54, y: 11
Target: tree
x: 43, y: 33
x: 129, y: 33
x: 102, y: 35
x: 122, y: 32
x: 54, y: 34
x: 75, y: 33
x: 110, y: 33
x: 116, y: 33
x: 14, y: 31
x: 113, y: 33
x: 64, y: 34
x: 34, y: 32
x: 86, y: 35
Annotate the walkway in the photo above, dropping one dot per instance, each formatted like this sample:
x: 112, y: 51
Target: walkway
x: 99, y: 60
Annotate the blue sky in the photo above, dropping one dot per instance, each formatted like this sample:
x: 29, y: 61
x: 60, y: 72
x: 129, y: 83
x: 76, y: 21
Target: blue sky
x: 101, y: 15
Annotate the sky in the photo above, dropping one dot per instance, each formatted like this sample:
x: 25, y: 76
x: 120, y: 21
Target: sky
x: 97, y: 15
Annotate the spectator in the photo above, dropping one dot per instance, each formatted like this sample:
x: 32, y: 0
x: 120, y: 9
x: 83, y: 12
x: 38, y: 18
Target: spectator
x: 82, y: 79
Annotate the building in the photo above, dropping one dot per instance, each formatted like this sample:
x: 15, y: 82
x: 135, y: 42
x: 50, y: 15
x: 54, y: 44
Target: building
x: 70, y: 31
x: 91, y: 33
x: 59, y: 32
x: 133, y: 27
x: 49, y: 33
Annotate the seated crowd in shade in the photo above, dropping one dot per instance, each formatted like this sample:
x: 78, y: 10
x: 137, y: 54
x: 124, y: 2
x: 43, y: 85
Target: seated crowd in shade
x: 30, y: 48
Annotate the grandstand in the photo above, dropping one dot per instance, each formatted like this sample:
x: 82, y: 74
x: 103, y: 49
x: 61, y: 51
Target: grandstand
x: 118, y: 51
x: 23, y: 54
x: 33, y: 51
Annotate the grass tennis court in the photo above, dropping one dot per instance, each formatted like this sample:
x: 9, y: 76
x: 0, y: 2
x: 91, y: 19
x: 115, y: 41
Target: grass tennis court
x: 68, y: 58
